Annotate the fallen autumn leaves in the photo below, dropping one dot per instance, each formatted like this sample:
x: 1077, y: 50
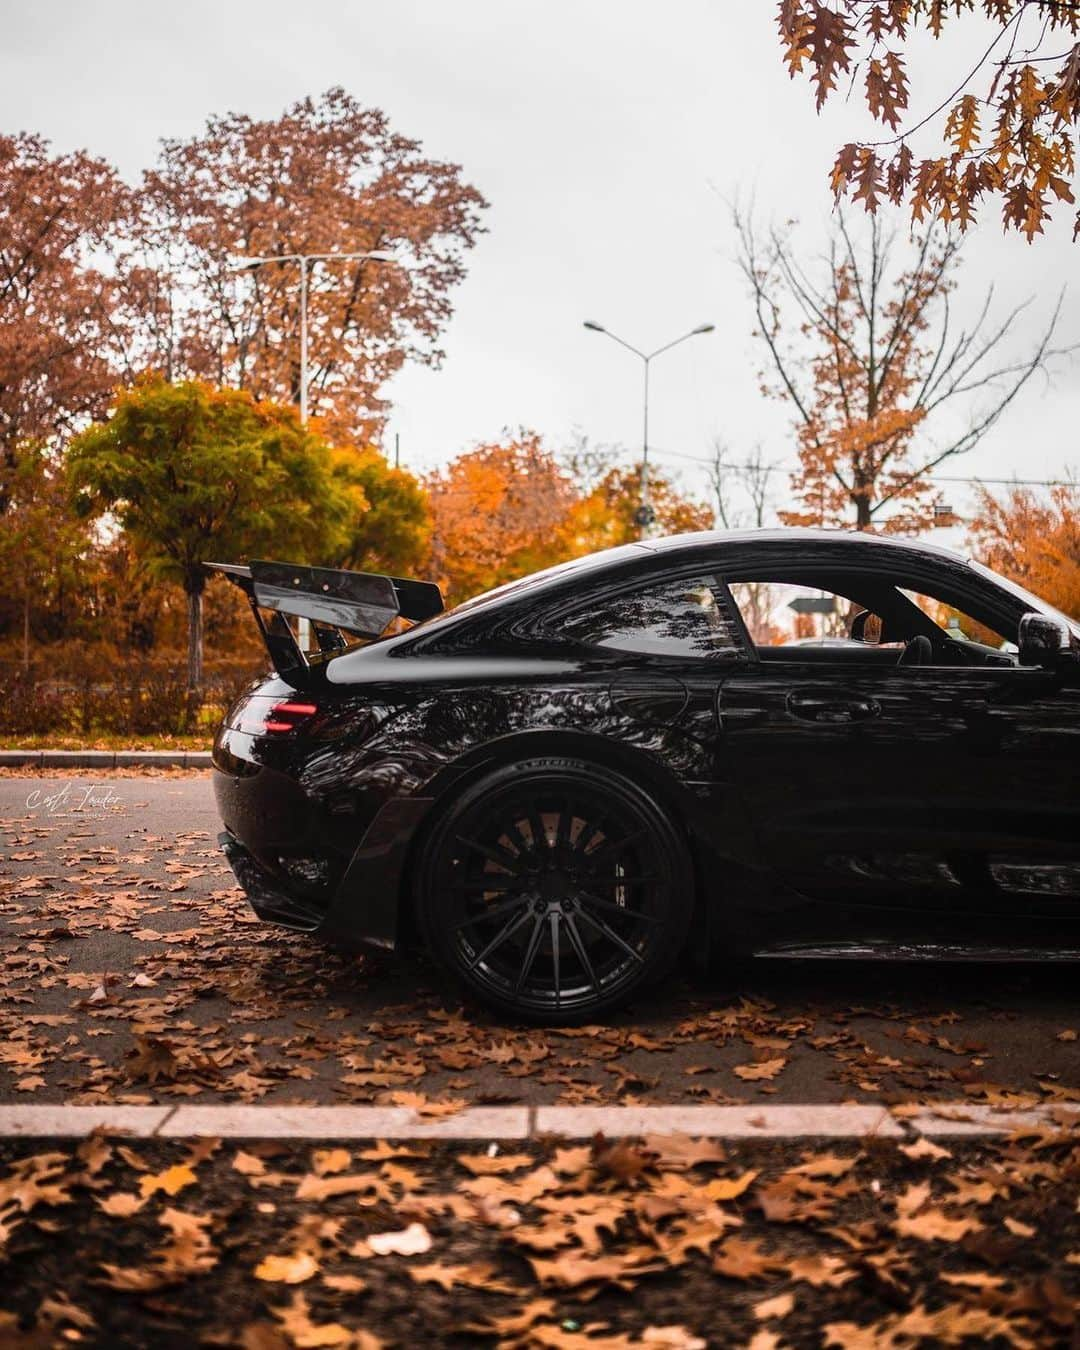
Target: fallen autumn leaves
x: 132, y: 971
x: 670, y: 1242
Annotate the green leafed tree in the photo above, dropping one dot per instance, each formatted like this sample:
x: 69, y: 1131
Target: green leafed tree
x: 393, y: 533
x: 196, y: 474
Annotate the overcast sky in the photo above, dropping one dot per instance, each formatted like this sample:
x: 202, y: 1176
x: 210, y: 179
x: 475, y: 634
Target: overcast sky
x: 608, y: 136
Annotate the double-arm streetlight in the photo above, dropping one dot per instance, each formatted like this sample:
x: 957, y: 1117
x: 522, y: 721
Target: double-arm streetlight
x: 305, y: 260
x: 645, y: 515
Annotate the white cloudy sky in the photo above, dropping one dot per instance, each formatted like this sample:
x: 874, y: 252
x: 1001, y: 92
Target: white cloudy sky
x: 607, y: 135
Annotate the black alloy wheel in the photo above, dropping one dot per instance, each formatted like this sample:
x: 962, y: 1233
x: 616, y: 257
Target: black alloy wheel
x: 553, y: 889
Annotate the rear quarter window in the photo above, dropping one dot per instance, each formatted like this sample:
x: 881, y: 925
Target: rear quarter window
x: 688, y: 617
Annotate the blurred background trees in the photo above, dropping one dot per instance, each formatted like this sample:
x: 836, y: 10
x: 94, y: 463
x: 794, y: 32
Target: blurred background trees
x: 328, y: 176
x: 499, y: 511
x: 148, y: 387
x: 1033, y: 539
x: 61, y: 217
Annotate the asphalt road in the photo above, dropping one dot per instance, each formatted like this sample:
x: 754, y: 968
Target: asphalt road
x: 132, y: 970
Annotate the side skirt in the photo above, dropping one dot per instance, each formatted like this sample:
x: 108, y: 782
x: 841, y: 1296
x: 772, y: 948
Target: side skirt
x: 887, y: 950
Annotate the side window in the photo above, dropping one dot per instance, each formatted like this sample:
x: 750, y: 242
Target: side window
x: 688, y: 617
x: 955, y: 623
x: 786, y: 614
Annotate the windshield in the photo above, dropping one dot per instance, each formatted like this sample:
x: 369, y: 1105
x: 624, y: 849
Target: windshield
x: 1032, y: 601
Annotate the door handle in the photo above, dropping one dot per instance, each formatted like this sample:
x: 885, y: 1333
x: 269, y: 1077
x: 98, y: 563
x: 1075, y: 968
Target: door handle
x: 835, y: 709
x: 737, y: 714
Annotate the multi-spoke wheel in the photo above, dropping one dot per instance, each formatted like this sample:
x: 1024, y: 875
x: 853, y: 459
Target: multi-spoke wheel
x: 554, y: 888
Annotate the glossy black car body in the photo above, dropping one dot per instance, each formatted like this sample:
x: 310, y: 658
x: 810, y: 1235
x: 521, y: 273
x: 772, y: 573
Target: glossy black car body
x: 914, y: 798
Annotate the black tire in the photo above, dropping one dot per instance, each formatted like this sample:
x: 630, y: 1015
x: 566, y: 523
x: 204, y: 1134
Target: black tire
x: 554, y: 890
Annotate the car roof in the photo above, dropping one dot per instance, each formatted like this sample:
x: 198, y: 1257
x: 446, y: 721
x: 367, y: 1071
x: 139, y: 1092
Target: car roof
x: 794, y: 535
x: 623, y: 557
x: 588, y: 562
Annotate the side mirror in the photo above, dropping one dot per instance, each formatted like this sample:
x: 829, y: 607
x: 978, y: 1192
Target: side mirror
x: 1041, y: 639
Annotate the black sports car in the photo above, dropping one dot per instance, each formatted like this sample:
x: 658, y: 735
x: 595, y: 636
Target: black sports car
x: 784, y: 743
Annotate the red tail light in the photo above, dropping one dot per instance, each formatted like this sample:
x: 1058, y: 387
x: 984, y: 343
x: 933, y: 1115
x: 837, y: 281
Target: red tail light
x: 289, y: 715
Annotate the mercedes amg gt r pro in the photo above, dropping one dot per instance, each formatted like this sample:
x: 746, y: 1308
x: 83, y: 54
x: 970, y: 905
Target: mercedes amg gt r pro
x: 780, y: 743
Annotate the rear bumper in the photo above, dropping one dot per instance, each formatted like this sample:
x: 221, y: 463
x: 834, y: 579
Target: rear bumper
x: 366, y: 910
x: 337, y: 874
x: 268, y: 898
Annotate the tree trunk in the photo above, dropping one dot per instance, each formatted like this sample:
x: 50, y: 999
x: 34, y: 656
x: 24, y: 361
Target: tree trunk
x: 26, y: 630
x: 195, y: 638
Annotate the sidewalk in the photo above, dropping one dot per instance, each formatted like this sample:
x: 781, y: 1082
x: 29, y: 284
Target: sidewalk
x: 780, y: 1121
x: 105, y: 759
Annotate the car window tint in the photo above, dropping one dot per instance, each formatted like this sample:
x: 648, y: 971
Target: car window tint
x: 686, y: 618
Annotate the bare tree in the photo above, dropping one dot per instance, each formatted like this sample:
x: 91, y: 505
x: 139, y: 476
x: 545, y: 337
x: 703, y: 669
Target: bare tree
x: 588, y: 462
x: 750, y: 478
x: 863, y: 343
x: 749, y: 481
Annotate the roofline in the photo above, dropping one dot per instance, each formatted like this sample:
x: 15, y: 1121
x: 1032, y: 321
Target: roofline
x: 798, y: 533
x: 622, y: 558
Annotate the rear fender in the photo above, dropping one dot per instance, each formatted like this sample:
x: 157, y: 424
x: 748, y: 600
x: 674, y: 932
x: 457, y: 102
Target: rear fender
x: 711, y: 842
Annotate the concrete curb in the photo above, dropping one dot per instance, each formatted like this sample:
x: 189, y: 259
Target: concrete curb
x: 786, y: 1121
x: 105, y: 759
x: 726, y: 1122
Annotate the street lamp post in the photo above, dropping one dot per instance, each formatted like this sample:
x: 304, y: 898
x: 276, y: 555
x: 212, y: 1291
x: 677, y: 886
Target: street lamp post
x: 304, y: 259
x: 241, y: 264
x: 645, y: 514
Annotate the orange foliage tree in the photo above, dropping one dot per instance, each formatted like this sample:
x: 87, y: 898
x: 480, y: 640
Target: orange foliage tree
x: 327, y: 176
x: 511, y: 507
x: 604, y: 516
x: 1035, y: 540
x: 861, y: 346
x: 60, y: 347
x: 498, y: 512
x: 1011, y: 137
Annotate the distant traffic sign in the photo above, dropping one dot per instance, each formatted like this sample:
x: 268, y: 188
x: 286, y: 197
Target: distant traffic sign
x: 813, y: 604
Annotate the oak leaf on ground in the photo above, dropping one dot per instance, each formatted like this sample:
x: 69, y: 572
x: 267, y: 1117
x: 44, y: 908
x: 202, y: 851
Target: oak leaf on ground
x: 766, y: 1069
x: 291, y: 1269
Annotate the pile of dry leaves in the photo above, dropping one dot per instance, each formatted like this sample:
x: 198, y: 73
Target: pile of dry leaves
x: 667, y: 1242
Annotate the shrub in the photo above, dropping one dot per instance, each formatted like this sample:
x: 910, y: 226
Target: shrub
x: 85, y: 689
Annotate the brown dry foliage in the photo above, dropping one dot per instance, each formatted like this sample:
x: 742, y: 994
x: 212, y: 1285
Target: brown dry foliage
x: 59, y: 354
x: 1011, y: 137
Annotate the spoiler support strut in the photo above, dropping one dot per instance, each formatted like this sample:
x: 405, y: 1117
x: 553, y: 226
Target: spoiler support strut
x: 359, y: 602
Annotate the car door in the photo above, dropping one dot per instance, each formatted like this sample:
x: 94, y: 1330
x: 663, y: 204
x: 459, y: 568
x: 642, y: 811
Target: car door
x: 911, y: 791
x: 655, y: 641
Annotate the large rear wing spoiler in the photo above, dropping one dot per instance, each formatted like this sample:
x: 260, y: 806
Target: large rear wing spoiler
x: 363, y: 603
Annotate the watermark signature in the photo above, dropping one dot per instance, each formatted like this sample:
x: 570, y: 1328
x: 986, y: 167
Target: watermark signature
x: 88, y: 799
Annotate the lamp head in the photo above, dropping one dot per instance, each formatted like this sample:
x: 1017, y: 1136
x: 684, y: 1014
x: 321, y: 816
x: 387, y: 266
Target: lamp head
x: 595, y: 327
x: 705, y: 328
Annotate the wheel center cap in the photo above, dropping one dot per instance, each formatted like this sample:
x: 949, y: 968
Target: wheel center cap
x: 554, y: 888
